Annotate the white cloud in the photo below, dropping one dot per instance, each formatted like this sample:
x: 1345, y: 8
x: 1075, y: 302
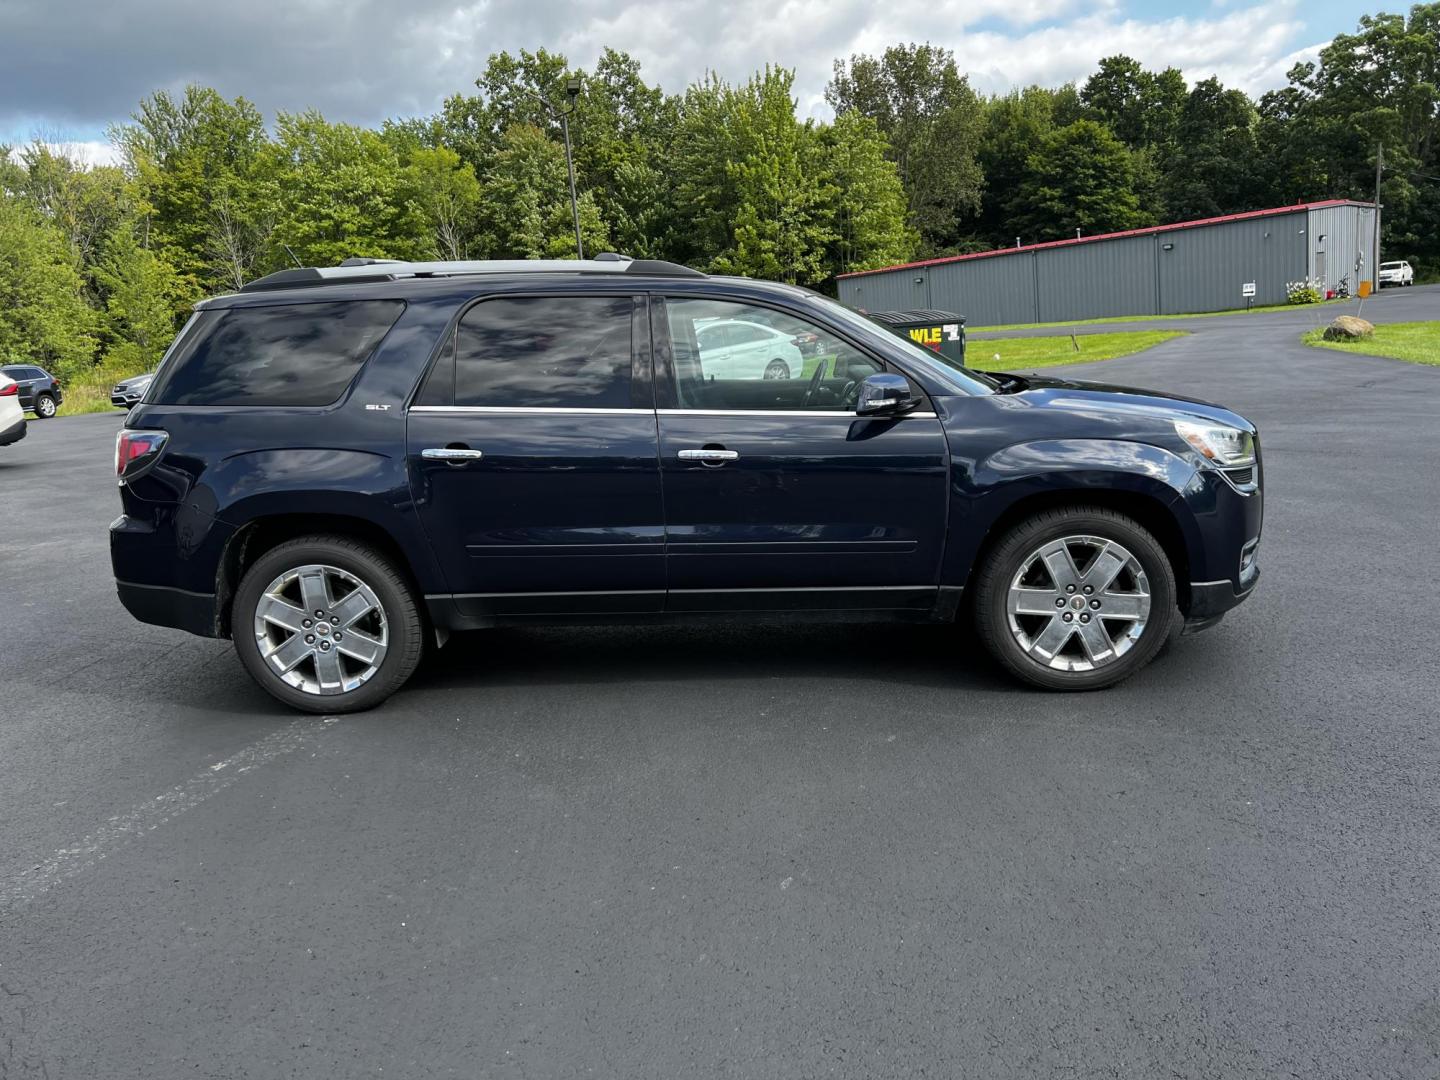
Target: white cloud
x: 1250, y: 49
x: 89, y: 152
x: 83, y: 65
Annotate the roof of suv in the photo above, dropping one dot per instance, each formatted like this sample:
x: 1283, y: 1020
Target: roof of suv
x: 359, y: 271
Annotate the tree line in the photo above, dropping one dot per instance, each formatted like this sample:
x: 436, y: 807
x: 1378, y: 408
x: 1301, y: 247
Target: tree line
x: 98, y: 265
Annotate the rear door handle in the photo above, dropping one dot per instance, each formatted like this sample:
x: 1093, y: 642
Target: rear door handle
x: 710, y: 457
x: 453, y: 454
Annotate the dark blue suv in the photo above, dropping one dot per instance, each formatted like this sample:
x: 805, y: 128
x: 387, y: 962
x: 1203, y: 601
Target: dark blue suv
x: 335, y: 466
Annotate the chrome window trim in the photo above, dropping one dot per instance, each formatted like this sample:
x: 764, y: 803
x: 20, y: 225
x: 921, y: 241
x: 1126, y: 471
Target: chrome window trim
x: 562, y: 409
x: 794, y: 412
x: 529, y: 409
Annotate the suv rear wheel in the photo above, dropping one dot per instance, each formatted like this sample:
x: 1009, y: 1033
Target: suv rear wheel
x: 1075, y: 599
x: 327, y: 625
x: 44, y: 406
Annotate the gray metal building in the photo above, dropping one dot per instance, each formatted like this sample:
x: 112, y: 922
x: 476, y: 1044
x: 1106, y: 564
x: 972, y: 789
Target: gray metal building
x: 1190, y: 266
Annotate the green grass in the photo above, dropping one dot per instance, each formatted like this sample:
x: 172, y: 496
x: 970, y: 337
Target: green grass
x: 1417, y: 342
x: 1149, y: 318
x: 90, y: 393
x: 1009, y: 354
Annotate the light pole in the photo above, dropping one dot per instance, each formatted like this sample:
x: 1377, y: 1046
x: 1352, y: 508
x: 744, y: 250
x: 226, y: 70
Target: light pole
x: 572, y: 92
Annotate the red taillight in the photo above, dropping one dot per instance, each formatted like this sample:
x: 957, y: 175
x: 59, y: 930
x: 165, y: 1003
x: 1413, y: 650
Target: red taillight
x: 134, y: 448
x: 10, y: 391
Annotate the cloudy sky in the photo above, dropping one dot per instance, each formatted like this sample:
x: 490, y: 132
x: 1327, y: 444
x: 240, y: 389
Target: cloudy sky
x: 70, y: 68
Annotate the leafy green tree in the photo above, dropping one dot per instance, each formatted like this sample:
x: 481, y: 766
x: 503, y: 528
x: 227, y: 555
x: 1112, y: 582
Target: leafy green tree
x: 781, y: 223
x: 703, y: 197
x: 201, y: 162
x: 932, y: 118
x: 344, y: 195
x: 867, y: 219
x: 1210, y: 170
x: 1081, y: 176
x: 1015, y: 125
x: 526, y: 201
x: 621, y: 130
x: 85, y: 204
x: 1380, y: 85
x: 145, y: 300
x: 447, y: 195
x: 43, y: 315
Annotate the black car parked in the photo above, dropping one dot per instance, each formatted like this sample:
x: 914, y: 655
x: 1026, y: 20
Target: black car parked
x: 336, y: 466
x: 39, y: 390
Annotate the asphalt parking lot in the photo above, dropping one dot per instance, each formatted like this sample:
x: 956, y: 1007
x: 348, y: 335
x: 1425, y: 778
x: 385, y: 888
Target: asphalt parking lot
x: 768, y: 852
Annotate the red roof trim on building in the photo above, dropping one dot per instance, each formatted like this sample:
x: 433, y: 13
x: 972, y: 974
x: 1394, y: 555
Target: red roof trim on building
x: 1149, y: 231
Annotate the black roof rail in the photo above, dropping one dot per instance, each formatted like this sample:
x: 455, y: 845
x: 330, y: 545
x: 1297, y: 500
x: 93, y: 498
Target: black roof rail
x: 661, y: 268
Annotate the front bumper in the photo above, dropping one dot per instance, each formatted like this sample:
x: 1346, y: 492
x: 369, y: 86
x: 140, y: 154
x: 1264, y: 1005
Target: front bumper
x: 14, y: 433
x: 1210, y: 600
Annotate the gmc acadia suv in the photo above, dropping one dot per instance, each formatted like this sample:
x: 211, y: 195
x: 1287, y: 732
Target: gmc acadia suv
x: 335, y: 466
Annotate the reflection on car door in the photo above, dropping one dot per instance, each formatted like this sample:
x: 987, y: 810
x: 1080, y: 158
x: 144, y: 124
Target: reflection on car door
x: 777, y: 496
x: 532, y: 458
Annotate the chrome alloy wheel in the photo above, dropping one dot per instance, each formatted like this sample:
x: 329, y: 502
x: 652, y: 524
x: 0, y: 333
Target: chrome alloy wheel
x: 1078, y: 603
x: 321, y: 629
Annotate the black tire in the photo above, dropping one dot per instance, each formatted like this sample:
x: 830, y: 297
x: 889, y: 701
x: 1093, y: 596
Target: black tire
x: 1004, y: 561
x: 402, y: 615
x: 45, y: 407
x: 777, y: 369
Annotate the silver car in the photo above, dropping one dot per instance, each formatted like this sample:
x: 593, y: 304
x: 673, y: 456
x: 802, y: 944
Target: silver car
x: 127, y: 393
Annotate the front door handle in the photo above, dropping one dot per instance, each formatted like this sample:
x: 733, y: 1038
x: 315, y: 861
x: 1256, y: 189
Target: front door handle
x: 709, y: 456
x: 455, y: 455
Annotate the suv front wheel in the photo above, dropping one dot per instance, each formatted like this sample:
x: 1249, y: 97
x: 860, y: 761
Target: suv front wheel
x: 1075, y: 599
x: 327, y: 625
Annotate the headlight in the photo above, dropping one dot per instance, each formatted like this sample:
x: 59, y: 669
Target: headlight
x: 1225, y: 446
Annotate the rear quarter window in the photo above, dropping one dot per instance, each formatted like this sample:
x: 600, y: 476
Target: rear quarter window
x: 292, y: 354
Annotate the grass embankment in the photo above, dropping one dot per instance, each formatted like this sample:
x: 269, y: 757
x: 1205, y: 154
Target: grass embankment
x: 90, y: 393
x: 1417, y: 342
x: 1010, y: 354
x: 1153, y: 318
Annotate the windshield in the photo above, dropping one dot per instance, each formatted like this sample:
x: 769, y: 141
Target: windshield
x: 1391, y: 266
x: 971, y: 382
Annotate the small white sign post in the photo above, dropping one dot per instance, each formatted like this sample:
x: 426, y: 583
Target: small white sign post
x: 1247, y: 290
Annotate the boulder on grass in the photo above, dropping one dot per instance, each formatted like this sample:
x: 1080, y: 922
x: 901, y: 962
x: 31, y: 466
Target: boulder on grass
x: 1349, y: 328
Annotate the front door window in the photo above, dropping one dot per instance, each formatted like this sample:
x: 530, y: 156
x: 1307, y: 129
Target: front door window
x: 730, y: 355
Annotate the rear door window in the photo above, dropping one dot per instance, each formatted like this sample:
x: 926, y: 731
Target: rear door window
x: 545, y: 352
x: 293, y: 354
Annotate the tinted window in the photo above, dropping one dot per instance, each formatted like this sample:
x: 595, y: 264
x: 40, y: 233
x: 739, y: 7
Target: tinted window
x: 740, y: 375
x: 296, y: 354
x: 537, y: 352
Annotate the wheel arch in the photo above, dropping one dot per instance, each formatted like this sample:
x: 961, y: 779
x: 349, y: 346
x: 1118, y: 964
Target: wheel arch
x: 1147, y: 508
x: 266, y: 532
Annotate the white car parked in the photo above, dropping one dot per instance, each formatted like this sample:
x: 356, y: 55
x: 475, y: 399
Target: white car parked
x: 1396, y: 273
x: 739, y: 349
x: 12, y: 417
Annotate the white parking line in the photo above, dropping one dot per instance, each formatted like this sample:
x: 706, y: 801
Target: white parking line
x: 18, y: 889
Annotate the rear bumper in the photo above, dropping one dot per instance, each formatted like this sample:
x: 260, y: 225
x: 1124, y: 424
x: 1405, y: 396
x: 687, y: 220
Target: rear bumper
x: 14, y: 433
x: 166, y: 569
x: 163, y: 605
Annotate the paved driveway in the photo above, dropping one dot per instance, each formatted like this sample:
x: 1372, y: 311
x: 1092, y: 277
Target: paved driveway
x: 765, y: 852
